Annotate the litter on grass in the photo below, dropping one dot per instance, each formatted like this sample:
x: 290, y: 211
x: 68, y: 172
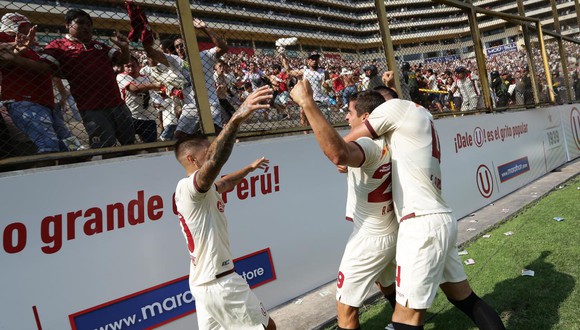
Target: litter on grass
x: 469, y: 261
x: 486, y: 236
x: 527, y: 272
x: 462, y: 253
x: 559, y: 219
x: 509, y: 233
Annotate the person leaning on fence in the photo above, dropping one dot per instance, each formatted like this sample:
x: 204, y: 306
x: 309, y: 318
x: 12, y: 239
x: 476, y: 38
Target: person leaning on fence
x: 188, y: 122
x: 467, y: 87
x: 88, y: 66
x: 27, y: 93
x: 136, y: 91
x: 316, y: 75
x: 372, y: 72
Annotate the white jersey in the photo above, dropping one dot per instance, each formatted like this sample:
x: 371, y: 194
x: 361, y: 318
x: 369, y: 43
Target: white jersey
x: 369, y: 203
x: 409, y: 131
x: 205, y: 227
x: 315, y: 78
x: 208, y: 59
x: 139, y: 103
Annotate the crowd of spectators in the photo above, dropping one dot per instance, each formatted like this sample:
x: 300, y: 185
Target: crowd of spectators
x: 147, y: 96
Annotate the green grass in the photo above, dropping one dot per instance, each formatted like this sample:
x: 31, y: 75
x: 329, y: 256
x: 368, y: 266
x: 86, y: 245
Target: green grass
x: 549, y: 300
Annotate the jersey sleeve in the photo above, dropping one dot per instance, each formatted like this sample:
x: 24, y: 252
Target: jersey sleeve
x: 386, y: 117
x: 372, y: 152
x: 124, y: 80
x: 52, y: 54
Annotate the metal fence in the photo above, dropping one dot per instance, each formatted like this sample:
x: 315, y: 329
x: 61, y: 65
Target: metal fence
x: 76, y: 91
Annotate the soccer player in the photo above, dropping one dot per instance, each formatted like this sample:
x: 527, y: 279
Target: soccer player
x: 426, y: 247
x: 370, y: 250
x: 223, y: 298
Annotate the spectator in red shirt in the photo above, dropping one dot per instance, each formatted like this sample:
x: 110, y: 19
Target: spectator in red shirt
x: 88, y: 66
x: 279, y: 80
x: 27, y: 94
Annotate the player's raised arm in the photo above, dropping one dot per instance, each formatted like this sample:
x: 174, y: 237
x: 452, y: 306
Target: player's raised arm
x: 229, y: 181
x: 221, y: 148
x: 332, y: 144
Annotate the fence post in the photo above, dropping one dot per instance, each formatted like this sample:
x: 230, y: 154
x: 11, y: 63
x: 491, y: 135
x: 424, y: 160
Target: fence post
x: 388, y: 46
x: 195, y: 66
x: 545, y: 60
x: 479, y: 56
x: 531, y: 64
x: 563, y: 54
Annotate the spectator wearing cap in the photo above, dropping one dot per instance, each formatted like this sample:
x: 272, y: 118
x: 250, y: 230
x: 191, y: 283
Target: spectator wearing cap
x: 372, y: 73
x: 500, y: 87
x: 317, y: 77
x: 410, y: 79
x: 470, y: 94
x: 28, y: 94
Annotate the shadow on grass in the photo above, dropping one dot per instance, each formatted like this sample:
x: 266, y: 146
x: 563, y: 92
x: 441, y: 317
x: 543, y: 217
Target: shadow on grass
x: 522, y: 302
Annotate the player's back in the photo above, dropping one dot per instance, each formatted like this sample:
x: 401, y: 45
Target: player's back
x: 411, y: 135
x: 205, y: 229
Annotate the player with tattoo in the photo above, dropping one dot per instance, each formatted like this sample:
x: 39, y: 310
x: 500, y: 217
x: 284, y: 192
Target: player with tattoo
x: 223, y: 298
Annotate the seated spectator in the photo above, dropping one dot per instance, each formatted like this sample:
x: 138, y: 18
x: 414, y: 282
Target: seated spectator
x: 27, y: 94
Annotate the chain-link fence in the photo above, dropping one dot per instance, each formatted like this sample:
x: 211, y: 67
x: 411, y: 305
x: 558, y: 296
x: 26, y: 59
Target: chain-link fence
x: 78, y: 88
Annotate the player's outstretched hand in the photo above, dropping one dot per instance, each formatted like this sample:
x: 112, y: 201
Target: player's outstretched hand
x: 342, y: 168
x: 302, y: 93
x: 262, y: 163
x: 259, y: 99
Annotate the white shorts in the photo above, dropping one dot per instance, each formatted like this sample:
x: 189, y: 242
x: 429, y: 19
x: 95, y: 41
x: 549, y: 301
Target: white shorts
x: 426, y: 257
x: 228, y: 303
x: 366, y: 260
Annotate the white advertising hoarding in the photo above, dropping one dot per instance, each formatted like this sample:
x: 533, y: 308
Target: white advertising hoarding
x: 98, y: 245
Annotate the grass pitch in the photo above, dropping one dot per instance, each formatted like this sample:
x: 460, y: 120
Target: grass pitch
x: 548, y: 300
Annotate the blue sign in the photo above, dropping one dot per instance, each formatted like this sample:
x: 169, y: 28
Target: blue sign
x: 442, y: 59
x: 166, y: 302
x: 512, y: 169
x: 501, y: 49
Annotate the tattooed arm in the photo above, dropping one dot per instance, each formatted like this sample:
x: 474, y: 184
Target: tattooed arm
x: 221, y: 148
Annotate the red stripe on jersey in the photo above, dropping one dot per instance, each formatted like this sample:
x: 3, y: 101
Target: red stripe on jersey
x: 371, y: 129
x: 363, y: 152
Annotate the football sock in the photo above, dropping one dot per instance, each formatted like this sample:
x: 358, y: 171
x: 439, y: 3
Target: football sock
x: 402, y: 326
x: 391, y: 299
x: 480, y: 312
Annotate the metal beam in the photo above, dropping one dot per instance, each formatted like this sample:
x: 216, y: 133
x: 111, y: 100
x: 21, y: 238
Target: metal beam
x: 563, y: 54
x: 387, y: 43
x: 480, y: 58
x: 528, y: 45
x: 195, y: 66
x: 545, y: 61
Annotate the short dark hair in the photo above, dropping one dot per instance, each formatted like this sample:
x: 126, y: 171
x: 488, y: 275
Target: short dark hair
x: 386, y: 90
x: 168, y: 44
x: 366, y: 101
x: 187, y: 143
x: 73, y: 14
x: 277, y: 66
